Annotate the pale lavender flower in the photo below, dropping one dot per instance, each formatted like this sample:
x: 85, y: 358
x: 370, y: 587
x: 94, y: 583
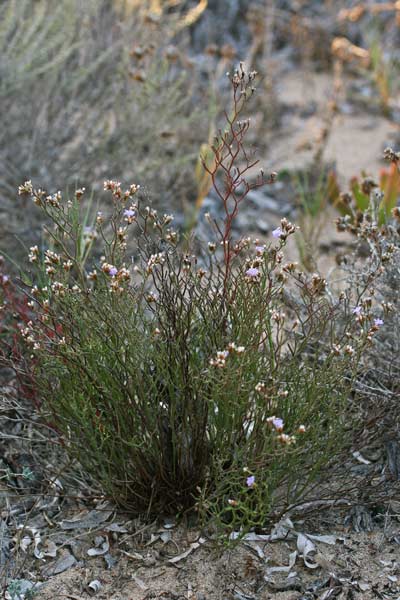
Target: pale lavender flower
x: 129, y: 213
x: 357, y: 310
x: 277, y: 423
x: 250, y: 481
x: 277, y: 232
x: 252, y: 272
x: 113, y: 271
x: 260, y: 249
x: 378, y: 322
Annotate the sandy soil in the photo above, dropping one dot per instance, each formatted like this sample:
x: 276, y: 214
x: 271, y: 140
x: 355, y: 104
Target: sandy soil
x: 359, y: 565
x: 355, y: 143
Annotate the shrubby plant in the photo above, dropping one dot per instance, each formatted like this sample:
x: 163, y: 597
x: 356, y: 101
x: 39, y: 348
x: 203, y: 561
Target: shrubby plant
x: 15, y: 314
x: 209, y: 374
x: 375, y: 227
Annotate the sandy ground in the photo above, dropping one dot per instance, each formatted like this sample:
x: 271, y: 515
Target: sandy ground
x: 355, y: 143
x: 359, y: 565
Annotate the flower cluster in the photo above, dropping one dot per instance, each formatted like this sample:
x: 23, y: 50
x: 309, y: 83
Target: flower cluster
x: 153, y: 261
x: 253, y: 274
x: 118, y: 276
x: 130, y: 214
x: 284, y: 230
x: 278, y: 425
x: 109, y: 269
x: 261, y: 388
x: 276, y: 422
x: 33, y: 254
x: 115, y: 188
x: 220, y: 359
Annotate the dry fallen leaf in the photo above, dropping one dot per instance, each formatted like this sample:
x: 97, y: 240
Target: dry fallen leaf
x: 65, y: 562
x: 192, y: 547
x: 90, y: 520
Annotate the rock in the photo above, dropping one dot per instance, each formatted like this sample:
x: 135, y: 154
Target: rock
x: 262, y: 201
x: 263, y: 226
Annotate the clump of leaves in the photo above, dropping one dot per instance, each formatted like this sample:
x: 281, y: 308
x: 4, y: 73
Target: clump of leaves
x: 214, y: 379
x: 359, y: 199
x: 21, y: 588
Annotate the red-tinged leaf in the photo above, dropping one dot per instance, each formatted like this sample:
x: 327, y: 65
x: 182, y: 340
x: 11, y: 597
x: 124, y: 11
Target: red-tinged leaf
x: 390, y: 185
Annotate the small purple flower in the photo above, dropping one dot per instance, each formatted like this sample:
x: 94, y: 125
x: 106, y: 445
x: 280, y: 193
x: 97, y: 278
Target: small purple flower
x: 357, y: 311
x: 252, y: 272
x: 277, y: 232
x: 250, y: 481
x: 260, y: 249
x: 113, y: 271
x: 378, y: 322
x: 6, y: 278
x: 129, y: 213
x: 277, y: 423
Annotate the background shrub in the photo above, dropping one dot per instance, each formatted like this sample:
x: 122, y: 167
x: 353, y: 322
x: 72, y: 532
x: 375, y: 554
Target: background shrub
x: 88, y: 91
x: 376, y: 235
